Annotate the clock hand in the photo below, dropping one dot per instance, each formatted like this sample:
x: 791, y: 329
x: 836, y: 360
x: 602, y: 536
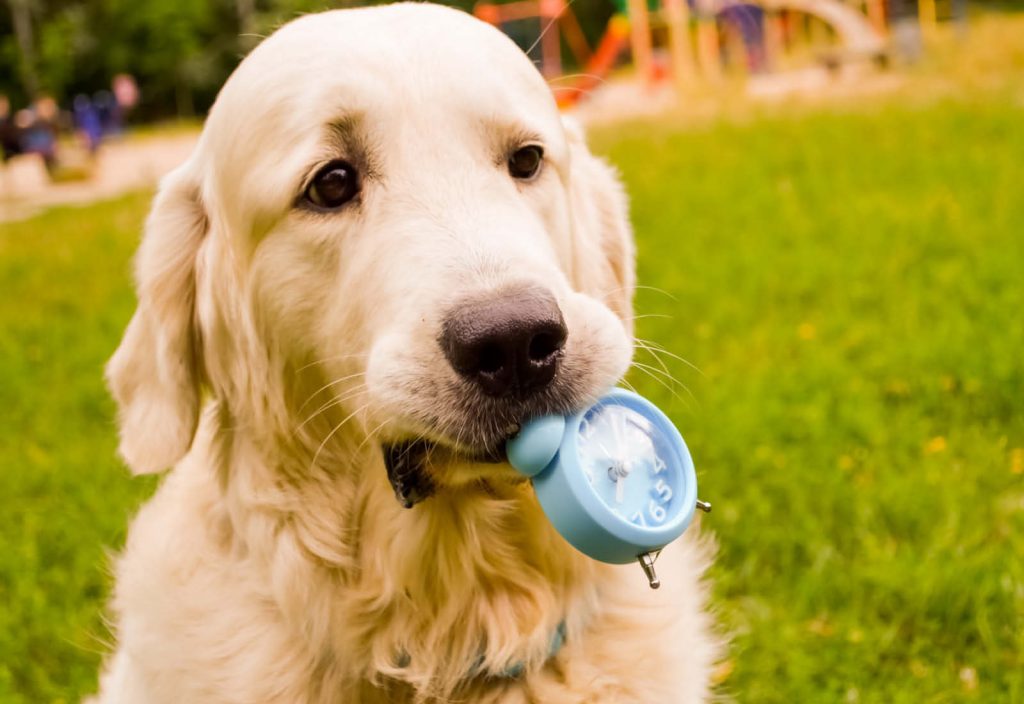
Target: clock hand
x: 617, y: 430
x: 619, y: 490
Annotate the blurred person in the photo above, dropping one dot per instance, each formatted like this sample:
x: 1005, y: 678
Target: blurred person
x: 39, y: 134
x: 109, y: 112
x: 126, y: 93
x: 10, y: 134
x: 87, y: 122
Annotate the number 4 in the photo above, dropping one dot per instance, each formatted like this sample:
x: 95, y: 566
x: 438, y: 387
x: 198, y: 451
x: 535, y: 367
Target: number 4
x: 659, y: 465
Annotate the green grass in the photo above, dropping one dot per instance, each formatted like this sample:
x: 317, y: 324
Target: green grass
x: 851, y: 287
x: 850, y: 283
x: 66, y: 298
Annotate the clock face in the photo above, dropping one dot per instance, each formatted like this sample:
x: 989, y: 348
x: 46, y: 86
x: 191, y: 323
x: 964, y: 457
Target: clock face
x: 631, y: 464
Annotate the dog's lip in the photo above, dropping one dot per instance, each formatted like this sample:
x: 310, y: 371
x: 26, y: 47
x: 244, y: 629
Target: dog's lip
x: 405, y: 462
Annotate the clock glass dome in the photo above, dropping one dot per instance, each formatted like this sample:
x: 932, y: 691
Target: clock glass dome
x: 630, y: 463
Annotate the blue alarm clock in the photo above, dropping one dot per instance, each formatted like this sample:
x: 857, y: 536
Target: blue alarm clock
x: 616, y: 479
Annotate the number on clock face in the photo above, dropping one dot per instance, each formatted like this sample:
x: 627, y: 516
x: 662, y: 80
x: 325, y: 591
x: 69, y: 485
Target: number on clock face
x: 624, y: 457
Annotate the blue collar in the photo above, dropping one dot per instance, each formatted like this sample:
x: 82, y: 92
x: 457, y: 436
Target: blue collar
x: 513, y: 671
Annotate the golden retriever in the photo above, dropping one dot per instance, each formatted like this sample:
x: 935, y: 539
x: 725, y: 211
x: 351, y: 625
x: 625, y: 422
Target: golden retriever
x: 386, y: 251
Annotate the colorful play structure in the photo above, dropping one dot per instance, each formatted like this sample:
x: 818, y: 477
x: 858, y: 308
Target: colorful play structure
x: 696, y: 42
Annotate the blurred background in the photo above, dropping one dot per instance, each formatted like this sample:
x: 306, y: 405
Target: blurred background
x: 828, y: 198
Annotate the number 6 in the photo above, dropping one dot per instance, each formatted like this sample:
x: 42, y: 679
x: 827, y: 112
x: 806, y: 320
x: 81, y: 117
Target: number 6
x: 656, y: 511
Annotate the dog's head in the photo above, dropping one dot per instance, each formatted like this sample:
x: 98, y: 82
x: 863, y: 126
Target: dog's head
x: 386, y: 233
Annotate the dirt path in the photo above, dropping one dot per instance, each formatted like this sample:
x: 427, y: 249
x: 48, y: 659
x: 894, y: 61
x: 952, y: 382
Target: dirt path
x: 139, y: 162
x: 121, y: 166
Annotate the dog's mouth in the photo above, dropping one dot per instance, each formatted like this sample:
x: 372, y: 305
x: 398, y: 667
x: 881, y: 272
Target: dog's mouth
x: 470, y: 453
x: 416, y: 467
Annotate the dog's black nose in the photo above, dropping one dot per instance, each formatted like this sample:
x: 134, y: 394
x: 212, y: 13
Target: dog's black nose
x: 508, y: 343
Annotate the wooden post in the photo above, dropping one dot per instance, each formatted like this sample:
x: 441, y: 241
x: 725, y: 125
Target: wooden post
x: 774, y: 40
x: 928, y: 18
x: 640, y: 38
x: 550, y: 42
x: 678, y: 15
x: 708, y: 51
x: 876, y: 13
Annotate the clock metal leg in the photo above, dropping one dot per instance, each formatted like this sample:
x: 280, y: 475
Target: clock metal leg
x: 704, y: 506
x: 647, y: 563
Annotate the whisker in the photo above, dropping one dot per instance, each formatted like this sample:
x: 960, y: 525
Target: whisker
x: 571, y: 76
x: 644, y: 288
x: 666, y: 371
x: 458, y: 433
x: 337, y: 400
x: 333, y: 358
x: 575, y: 89
x: 649, y: 371
x: 655, y: 370
x: 647, y: 348
x: 372, y: 434
x: 550, y: 24
x: 329, y: 385
x: 331, y: 434
x: 673, y: 355
x: 657, y: 290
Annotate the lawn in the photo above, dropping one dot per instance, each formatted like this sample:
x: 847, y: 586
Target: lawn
x: 849, y: 283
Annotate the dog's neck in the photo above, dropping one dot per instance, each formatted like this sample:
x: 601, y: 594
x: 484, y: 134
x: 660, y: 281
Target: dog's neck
x: 467, y: 573
x: 470, y: 582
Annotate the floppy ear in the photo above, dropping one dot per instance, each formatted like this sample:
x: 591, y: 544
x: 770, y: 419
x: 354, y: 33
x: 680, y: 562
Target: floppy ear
x: 605, y: 261
x: 153, y: 375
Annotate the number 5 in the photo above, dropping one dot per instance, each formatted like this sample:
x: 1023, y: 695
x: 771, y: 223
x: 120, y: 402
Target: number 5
x: 663, y: 490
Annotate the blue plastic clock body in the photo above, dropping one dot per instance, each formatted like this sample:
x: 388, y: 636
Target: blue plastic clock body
x: 616, y: 479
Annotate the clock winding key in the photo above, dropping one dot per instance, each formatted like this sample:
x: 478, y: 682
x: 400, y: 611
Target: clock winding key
x: 647, y: 563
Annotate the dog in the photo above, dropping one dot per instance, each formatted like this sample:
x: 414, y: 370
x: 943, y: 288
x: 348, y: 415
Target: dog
x: 386, y: 251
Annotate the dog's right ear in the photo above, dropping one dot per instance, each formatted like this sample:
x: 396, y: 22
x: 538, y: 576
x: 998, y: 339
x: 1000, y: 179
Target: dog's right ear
x: 154, y: 374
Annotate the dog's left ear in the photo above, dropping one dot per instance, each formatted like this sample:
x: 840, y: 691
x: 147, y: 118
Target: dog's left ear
x: 605, y: 258
x: 154, y: 374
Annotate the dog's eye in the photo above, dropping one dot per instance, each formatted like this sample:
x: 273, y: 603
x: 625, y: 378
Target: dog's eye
x: 525, y: 162
x: 334, y: 185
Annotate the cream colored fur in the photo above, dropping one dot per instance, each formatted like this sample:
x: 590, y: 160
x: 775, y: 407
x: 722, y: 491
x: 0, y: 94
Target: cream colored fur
x: 275, y: 348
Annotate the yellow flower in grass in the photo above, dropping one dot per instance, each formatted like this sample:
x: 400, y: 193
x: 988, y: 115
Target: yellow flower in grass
x: 1017, y: 460
x: 936, y: 445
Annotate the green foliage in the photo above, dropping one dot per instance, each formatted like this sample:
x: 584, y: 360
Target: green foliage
x: 181, y: 51
x: 849, y: 284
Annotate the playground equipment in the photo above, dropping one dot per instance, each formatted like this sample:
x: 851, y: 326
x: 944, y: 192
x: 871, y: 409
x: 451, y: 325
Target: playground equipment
x: 553, y: 15
x: 699, y: 36
x: 857, y: 34
x: 557, y: 21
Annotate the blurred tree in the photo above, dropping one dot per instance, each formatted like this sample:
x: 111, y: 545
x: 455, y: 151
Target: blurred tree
x: 21, y: 23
